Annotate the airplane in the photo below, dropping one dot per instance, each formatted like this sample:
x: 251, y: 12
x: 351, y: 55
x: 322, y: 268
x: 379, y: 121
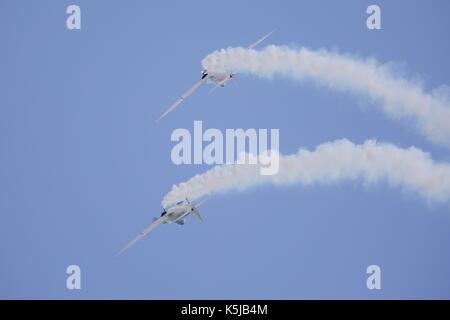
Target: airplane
x: 218, y: 79
x: 176, y: 214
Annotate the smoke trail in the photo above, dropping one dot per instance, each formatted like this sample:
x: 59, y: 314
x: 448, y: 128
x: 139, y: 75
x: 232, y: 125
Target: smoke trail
x: 371, y: 162
x: 399, y: 97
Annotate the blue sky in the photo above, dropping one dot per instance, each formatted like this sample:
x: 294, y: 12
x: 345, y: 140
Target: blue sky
x: 84, y: 166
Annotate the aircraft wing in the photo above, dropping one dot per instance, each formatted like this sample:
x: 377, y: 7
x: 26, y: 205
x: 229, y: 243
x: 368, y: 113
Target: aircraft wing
x: 183, y: 97
x: 253, y: 45
x: 141, y: 235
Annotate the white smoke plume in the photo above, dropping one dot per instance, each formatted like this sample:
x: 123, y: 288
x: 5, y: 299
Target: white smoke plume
x: 332, y: 162
x: 398, y: 97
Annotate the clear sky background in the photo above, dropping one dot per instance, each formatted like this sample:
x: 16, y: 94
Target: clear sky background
x: 83, y: 166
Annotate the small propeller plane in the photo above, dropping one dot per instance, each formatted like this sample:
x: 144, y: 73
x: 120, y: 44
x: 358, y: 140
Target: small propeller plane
x: 176, y: 214
x: 218, y: 79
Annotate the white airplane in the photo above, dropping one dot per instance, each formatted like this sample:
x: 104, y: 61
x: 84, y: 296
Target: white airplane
x: 218, y: 79
x: 176, y: 214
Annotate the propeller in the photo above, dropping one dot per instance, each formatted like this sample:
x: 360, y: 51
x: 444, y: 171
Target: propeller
x: 197, y: 213
x: 194, y: 209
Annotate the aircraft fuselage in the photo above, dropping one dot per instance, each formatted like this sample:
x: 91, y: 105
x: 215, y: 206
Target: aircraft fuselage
x: 177, y: 214
x: 217, y: 77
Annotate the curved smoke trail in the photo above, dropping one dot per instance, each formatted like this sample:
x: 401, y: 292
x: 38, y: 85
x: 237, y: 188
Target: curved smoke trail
x: 371, y: 162
x: 398, y: 97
